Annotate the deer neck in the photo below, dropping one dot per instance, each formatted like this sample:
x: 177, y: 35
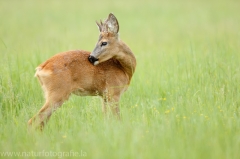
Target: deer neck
x: 126, y: 59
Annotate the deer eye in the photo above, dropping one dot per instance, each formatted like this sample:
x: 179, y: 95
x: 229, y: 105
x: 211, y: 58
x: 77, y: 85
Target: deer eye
x: 103, y: 43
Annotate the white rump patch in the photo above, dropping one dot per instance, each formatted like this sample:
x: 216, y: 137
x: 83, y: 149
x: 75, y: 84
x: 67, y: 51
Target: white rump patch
x: 41, y: 72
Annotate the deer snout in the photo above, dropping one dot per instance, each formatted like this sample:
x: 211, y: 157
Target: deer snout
x: 93, y: 60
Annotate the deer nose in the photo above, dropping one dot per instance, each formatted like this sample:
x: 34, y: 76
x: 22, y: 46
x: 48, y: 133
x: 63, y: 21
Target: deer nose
x: 93, y: 60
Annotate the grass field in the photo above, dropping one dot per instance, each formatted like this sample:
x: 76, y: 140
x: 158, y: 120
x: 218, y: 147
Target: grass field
x: 184, y: 98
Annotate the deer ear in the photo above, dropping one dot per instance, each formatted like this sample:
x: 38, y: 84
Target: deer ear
x: 112, y: 24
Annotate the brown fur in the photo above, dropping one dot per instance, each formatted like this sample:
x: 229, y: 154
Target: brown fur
x: 71, y: 72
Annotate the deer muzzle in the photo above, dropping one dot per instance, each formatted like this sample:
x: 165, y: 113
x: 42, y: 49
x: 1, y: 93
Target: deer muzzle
x: 93, y: 60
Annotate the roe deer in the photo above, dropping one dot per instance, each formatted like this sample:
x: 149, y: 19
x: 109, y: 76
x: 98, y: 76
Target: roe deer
x: 106, y: 72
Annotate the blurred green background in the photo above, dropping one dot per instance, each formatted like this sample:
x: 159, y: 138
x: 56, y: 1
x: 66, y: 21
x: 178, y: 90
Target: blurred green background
x: 184, y: 98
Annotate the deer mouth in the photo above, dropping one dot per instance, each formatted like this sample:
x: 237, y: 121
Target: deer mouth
x: 93, y: 60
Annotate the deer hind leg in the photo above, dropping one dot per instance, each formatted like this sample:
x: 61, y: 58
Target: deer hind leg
x: 53, y: 102
x: 55, y: 93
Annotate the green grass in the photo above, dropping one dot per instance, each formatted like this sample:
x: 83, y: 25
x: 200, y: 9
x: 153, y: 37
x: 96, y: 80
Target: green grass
x: 184, y: 99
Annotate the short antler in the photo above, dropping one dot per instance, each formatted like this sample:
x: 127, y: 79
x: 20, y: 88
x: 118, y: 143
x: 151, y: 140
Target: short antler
x: 100, y: 25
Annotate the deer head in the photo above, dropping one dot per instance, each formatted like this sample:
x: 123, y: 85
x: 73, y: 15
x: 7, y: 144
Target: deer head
x: 107, y: 45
